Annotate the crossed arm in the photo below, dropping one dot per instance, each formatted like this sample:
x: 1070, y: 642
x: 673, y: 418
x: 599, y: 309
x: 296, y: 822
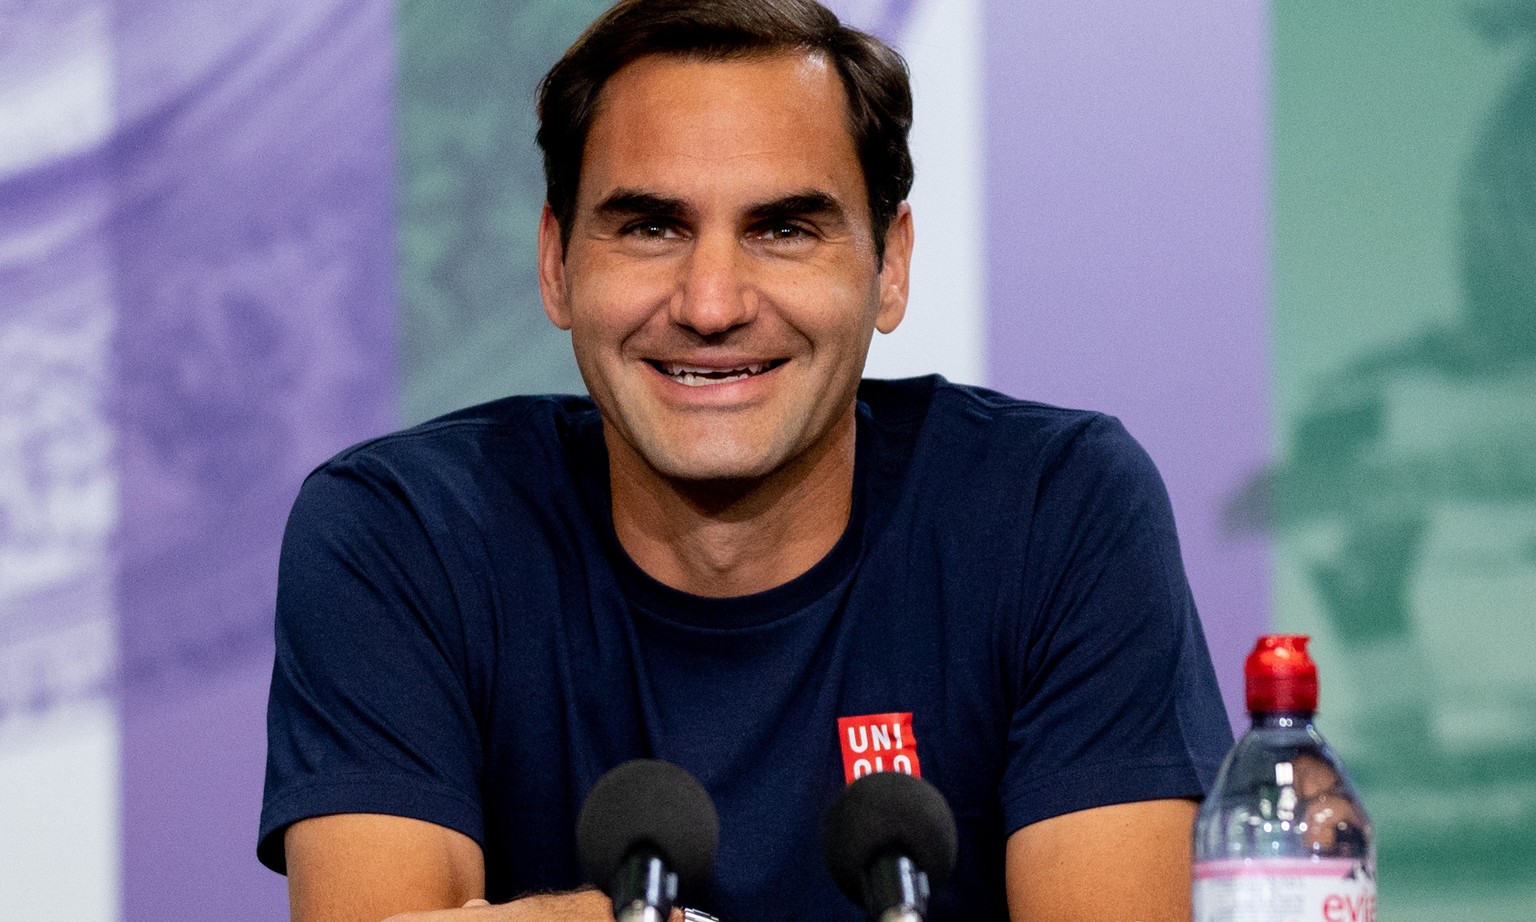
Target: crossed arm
x: 1124, y: 862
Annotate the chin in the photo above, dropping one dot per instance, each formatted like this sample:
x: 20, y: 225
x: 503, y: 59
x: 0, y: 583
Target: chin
x: 712, y: 469
x: 706, y: 461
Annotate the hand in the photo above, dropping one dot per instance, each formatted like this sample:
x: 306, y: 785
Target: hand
x: 581, y: 906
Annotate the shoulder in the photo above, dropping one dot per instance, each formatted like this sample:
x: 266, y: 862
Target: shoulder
x: 522, y: 435
x: 963, y: 429
x: 522, y: 424
x: 429, y: 520
x: 519, y: 450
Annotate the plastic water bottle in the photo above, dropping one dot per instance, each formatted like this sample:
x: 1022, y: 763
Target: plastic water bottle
x: 1283, y: 836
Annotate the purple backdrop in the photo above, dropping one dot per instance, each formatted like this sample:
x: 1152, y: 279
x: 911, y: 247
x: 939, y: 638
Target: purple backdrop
x: 253, y: 234
x: 1127, y: 230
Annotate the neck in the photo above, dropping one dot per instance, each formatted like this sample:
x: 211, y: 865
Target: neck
x: 732, y: 538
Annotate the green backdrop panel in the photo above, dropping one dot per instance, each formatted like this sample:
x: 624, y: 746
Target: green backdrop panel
x: 1405, y: 396
x: 470, y: 191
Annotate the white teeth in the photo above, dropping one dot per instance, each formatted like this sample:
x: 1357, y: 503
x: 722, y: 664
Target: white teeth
x: 699, y: 377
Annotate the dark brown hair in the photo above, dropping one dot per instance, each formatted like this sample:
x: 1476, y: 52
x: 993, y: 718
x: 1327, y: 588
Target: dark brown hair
x: 874, y: 78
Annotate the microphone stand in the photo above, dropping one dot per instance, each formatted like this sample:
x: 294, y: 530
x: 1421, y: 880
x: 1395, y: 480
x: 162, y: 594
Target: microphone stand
x: 896, y: 890
x: 643, y: 890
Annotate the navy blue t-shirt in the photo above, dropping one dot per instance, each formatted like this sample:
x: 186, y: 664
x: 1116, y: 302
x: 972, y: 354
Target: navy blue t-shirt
x: 462, y: 640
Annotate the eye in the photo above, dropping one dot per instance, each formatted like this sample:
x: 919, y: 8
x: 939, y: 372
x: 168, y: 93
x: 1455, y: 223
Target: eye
x: 783, y: 231
x: 651, y: 230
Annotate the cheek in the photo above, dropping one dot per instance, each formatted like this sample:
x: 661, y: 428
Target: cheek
x: 598, y: 334
x: 834, y: 310
x: 613, y: 283
x: 605, y: 312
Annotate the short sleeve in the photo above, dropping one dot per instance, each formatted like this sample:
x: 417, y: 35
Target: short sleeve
x: 369, y: 709
x: 1116, y: 698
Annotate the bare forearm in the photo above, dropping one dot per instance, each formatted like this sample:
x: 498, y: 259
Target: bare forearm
x: 368, y: 867
x: 1127, y: 861
x: 581, y: 906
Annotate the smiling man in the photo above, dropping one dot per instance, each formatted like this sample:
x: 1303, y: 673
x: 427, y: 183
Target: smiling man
x: 721, y: 279
x: 735, y: 555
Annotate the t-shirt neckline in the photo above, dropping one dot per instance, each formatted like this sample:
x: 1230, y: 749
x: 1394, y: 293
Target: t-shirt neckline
x: 734, y: 612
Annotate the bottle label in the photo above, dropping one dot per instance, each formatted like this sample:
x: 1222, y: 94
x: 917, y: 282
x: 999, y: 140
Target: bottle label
x: 1285, y: 890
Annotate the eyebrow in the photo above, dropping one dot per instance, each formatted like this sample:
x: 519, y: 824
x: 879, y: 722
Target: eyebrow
x: 808, y: 204
x: 626, y: 203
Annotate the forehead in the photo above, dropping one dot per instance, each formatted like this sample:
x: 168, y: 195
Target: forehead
x: 668, y: 121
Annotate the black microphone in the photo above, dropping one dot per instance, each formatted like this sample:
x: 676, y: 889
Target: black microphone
x: 887, y: 840
x: 647, y: 829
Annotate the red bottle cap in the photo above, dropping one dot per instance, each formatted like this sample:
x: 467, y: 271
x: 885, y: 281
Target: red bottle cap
x: 1281, y: 675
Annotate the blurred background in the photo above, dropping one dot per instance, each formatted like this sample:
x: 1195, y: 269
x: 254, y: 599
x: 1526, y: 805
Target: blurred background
x: 1291, y: 245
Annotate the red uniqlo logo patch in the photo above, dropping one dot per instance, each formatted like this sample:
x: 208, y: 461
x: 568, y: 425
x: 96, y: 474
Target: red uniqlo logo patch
x: 878, y: 743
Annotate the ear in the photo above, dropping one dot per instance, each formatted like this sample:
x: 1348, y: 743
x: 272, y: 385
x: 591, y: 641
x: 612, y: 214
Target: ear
x: 895, y: 270
x: 557, y: 301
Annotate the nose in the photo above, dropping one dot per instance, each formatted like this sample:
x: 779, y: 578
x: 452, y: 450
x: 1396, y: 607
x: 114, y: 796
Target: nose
x: 715, y: 293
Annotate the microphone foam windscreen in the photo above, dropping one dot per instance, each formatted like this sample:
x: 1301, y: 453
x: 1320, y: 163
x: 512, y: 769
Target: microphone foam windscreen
x: 653, y: 803
x: 889, y: 813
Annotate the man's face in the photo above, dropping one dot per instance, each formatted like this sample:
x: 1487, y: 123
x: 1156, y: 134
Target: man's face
x: 720, y: 283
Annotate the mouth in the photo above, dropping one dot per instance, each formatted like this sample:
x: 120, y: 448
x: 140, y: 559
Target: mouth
x: 705, y: 376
